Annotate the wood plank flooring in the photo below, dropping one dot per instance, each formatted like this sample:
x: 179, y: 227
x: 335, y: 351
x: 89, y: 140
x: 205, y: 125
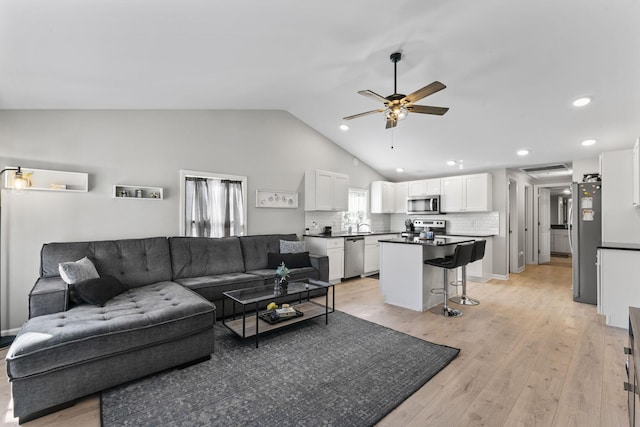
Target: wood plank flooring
x: 530, y: 356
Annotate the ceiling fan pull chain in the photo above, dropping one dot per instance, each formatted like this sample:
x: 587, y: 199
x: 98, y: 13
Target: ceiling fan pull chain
x: 392, y: 138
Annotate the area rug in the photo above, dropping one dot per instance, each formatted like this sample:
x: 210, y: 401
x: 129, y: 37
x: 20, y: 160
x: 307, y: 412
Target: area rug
x: 348, y: 373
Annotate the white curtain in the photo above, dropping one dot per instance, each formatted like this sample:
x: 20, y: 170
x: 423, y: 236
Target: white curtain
x: 223, y: 201
x: 197, y: 215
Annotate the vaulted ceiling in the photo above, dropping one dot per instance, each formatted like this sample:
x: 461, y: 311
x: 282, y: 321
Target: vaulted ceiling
x: 512, y: 70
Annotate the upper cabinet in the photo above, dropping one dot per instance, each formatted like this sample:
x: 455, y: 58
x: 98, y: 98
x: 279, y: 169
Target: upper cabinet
x: 401, y: 193
x: 424, y: 187
x: 326, y: 191
x: 383, y: 197
x: 466, y: 193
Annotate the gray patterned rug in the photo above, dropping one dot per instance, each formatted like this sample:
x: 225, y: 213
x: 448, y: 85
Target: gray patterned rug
x: 348, y: 373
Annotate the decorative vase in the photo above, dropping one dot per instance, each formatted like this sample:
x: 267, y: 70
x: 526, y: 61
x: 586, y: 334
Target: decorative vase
x: 284, y: 283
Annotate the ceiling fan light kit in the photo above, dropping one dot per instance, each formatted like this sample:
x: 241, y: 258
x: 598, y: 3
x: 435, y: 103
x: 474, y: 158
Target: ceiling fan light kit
x: 398, y: 106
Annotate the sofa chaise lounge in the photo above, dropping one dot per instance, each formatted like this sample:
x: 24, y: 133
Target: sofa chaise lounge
x: 164, y: 319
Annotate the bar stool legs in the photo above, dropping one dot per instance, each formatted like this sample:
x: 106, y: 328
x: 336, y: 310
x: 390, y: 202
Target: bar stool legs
x: 464, y: 299
x: 446, y: 310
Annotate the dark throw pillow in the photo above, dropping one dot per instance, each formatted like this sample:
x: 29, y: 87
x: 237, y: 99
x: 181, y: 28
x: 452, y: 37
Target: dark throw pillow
x: 297, y: 260
x: 98, y: 291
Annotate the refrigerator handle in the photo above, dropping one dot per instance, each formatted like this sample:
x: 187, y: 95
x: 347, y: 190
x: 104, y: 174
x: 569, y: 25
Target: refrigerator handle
x: 571, y: 229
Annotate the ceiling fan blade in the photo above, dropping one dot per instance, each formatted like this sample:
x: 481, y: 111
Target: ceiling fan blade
x: 391, y: 123
x: 425, y: 91
x: 373, y: 95
x: 423, y: 109
x: 355, y: 116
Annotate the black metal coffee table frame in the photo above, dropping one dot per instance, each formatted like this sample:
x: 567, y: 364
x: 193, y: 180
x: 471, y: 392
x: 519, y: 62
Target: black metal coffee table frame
x: 255, y: 296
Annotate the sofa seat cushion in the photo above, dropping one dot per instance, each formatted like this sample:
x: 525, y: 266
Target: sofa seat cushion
x: 212, y: 287
x: 137, y: 318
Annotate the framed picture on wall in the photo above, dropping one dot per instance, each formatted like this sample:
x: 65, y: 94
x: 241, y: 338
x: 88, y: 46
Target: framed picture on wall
x: 276, y: 199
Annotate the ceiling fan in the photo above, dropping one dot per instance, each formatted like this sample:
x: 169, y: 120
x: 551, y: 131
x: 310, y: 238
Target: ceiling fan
x: 397, y: 105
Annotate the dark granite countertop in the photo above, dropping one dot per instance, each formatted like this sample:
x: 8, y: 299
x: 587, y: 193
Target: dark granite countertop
x: 438, y: 241
x: 468, y: 235
x: 620, y: 246
x: 347, y: 234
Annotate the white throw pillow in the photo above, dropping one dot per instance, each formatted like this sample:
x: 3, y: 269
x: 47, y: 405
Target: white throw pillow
x: 74, y: 272
x: 291, y: 247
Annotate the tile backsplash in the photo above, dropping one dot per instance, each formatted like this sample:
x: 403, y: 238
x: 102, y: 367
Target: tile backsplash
x: 457, y: 223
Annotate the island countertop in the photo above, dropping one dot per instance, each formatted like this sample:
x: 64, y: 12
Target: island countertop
x: 438, y: 241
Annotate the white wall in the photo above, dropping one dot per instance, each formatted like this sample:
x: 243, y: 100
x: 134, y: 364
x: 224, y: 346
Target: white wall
x: 620, y: 219
x: 585, y: 166
x: 147, y: 148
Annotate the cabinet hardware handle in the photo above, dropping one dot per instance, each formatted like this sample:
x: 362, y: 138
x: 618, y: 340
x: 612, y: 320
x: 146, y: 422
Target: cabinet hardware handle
x: 627, y: 350
x: 630, y: 387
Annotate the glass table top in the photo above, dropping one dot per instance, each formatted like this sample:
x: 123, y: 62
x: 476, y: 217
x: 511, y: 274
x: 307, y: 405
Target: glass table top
x: 267, y: 292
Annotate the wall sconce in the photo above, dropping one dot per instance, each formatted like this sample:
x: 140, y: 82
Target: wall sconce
x: 20, y: 179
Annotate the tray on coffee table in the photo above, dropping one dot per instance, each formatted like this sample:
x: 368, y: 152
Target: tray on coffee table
x: 266, y: 316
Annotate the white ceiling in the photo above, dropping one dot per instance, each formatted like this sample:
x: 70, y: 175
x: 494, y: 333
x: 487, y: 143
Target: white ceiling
x: 512, y: 69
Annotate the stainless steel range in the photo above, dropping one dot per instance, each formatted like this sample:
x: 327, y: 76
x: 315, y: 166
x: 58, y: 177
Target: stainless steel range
x: 437, y: 226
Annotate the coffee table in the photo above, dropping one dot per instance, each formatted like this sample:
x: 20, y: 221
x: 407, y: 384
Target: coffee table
x: 247, y: 324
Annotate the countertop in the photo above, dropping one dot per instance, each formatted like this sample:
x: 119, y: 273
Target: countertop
x: 438, y: 241
x: 469, y: 235
x: 347, y: 234
x: 620, y: 246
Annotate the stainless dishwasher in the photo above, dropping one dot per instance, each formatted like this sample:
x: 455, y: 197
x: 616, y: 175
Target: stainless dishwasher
x: 353, y: 256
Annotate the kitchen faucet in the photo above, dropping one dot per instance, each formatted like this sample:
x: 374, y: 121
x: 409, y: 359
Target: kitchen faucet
x: 358, y: 226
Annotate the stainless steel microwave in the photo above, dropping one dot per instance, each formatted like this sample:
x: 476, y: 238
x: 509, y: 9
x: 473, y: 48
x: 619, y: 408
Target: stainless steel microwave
x: 423, y: 205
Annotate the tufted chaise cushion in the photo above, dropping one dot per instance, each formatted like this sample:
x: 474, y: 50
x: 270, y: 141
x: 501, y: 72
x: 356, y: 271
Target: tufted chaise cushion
x: 138, y: 318
x: 134, y: 262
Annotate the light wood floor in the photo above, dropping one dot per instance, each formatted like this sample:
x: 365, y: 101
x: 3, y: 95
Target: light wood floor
x: 529, y: 356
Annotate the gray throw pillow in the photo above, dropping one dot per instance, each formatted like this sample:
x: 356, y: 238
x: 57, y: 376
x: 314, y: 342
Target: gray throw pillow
x: 74, y: 272
x: 291, y: 247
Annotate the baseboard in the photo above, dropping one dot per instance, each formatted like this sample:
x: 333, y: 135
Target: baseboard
x: 500, y: 276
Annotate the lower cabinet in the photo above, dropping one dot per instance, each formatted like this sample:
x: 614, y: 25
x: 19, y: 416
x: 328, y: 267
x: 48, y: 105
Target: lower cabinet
x: 372, y: 252
x: 333, y: 247
x: 618, y: 271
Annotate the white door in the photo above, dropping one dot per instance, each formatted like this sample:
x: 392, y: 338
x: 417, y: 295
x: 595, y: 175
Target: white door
x: 544, y: 228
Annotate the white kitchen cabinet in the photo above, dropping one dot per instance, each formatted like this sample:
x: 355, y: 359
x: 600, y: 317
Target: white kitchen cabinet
x: 401, y: 193
x: 617, y: 287
x: 372, y: 252
x: 466, y: 193
x: 332, y: 247
x: 326, y: 191
x: 424, y: 187
x: 560, y: 241
x: 382, y: 197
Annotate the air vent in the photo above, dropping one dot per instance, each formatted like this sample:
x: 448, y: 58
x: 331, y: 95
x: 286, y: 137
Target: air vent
x: 547, y: 171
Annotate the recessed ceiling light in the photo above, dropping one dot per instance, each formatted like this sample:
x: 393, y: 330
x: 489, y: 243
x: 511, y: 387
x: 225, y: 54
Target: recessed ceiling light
x: 581, y: 102
x: 399, y: 170
x: 588, y: 142
x: 523, y: 152
x: 451, y: 162
x: 344, y: 127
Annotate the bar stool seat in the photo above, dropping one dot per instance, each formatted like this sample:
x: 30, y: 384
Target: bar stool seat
x: 477, y: 254
x: 461, y: 256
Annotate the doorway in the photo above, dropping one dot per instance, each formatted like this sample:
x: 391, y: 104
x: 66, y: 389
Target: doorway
x: 545, y: 229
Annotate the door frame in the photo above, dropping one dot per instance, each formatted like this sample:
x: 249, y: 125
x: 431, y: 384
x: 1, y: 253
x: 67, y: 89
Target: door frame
x: 536, y: 230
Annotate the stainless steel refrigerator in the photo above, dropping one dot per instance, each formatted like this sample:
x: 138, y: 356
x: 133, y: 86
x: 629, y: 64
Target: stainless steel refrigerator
x: 585, y: 235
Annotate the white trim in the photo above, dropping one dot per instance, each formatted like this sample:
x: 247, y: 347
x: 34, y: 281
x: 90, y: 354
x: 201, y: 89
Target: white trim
x: 536, y: 195
x: 213, y: 175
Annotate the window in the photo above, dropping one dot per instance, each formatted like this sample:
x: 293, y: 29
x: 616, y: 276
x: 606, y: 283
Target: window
x: 212, y: 204
x: 357, y: 214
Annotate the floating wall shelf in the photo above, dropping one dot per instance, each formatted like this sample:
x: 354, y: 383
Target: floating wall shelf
x: 50, y: 180
x: 125, y: 191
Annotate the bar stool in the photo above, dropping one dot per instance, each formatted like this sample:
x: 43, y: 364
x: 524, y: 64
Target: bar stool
x: 477, y: 254
x: 461, y: 256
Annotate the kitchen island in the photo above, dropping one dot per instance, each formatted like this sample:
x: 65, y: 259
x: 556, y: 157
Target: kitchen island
x: 405, y: 280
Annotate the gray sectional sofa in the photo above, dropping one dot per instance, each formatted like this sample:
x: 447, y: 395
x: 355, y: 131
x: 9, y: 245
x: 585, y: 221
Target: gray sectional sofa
x: 164, y: 319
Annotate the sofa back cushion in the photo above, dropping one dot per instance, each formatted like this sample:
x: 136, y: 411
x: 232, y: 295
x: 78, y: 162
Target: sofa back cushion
x: 134, y: 262
x: 255, y: 249
x: 204, y: 256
